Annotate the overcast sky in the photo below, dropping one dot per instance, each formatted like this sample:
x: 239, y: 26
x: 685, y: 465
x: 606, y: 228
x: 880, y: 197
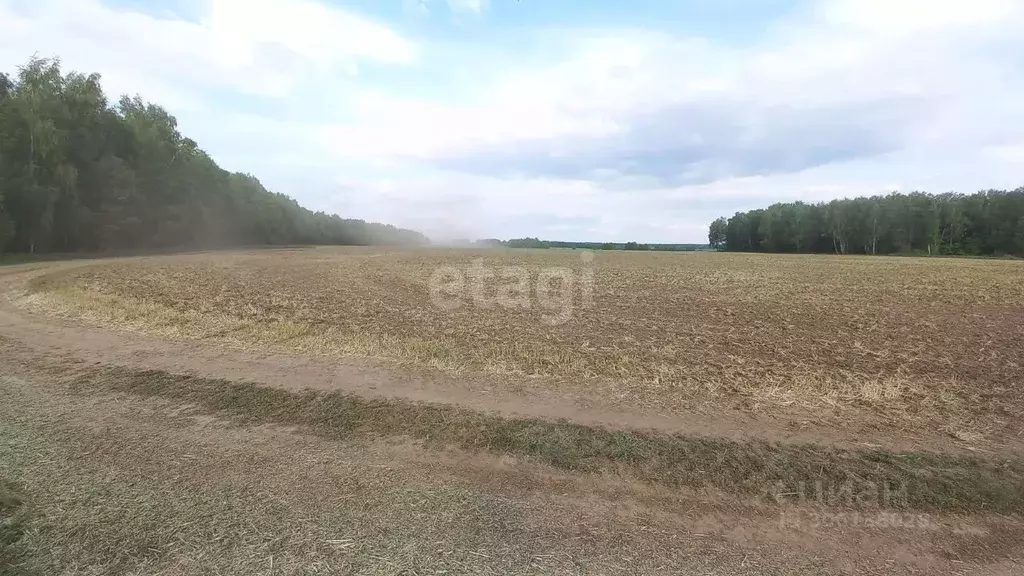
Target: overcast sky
x: 565, y: 119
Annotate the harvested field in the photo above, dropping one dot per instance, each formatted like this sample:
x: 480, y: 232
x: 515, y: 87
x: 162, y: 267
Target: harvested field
x: 323, y: 411
x: 914, y: 339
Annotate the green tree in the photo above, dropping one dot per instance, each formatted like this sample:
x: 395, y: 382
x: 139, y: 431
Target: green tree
x: 717, y: 233
x: 987, y: 222
x: 79, y: 174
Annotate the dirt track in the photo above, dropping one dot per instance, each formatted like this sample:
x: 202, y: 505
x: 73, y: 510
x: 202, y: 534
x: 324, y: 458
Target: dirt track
x: 483, y: 513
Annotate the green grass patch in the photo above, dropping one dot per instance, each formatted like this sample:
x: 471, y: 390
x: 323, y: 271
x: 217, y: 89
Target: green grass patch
x: 826, y: 475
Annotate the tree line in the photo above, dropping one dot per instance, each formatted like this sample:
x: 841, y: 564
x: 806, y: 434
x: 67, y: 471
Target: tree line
x: 988, y: 223
x: 80, y: 174
x: 538, y: 243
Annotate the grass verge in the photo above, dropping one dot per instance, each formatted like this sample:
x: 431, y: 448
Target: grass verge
x: 829, y: 476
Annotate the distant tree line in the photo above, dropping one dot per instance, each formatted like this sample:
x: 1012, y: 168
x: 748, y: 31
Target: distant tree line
x: 537, y: 243
x: 986, y: 223
x: 79, y: 174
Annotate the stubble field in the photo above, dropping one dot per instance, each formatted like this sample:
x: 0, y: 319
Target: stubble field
x: 934, y: 341
x: 377, y: 411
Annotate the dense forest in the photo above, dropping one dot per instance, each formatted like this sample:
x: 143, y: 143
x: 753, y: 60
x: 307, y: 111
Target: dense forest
x: 986, y: 223
x: 79, y: 174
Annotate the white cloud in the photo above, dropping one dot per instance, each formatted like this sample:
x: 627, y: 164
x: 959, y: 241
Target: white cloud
x: 941, y: 90
x: 1011, y: 154
x: 624, y: 134
x: 264, y: 47
x: 314, y: 31
x: 906, y: 17
x: 829, y: 62
x: 454, y: 204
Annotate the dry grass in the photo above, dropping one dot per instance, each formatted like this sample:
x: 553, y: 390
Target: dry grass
x: 914, y: 481
x: 916, y: 339
x: 135, y: 473
x: 125, y: 486
x: 13, y: 515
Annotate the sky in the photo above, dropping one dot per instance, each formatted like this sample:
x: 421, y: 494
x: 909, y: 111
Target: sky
x: 599, y: 120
